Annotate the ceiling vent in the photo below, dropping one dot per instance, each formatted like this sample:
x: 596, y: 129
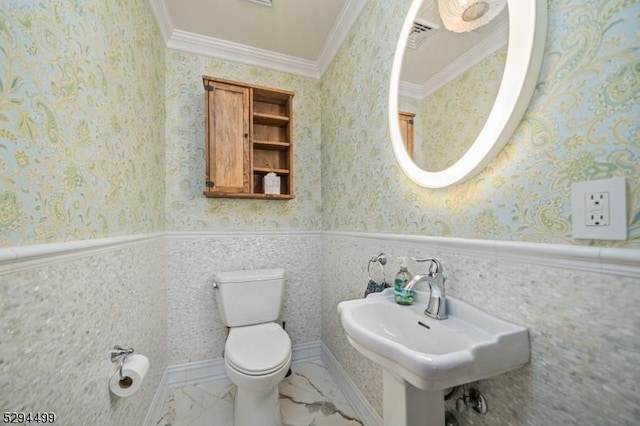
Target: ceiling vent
x: 419, y: 33
x: 263, y: 2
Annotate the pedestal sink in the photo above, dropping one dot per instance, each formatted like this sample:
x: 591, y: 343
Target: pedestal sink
x: 422, y: 356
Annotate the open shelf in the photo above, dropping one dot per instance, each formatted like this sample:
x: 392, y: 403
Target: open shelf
x: 270, y: 145
x: 266, y: 146
x: 270, y: 119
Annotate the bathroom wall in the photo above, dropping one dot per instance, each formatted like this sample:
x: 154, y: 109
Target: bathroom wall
x: 187, y: 209
x: 197, y: 248
x: 62, y: 313
x: 585, y: 357
x: 195, y: 332
x: 83, y: 93
x: 82, y: 141
x: 581, y: 125
x: 82, y: 121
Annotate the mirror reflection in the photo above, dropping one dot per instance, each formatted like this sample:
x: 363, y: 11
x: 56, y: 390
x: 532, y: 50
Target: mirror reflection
x: 448, y: 85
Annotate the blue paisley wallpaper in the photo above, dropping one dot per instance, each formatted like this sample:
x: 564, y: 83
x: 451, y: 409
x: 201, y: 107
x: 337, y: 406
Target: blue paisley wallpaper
x: 583, y: 123
x: 101, y: 132
x: 81, y: 120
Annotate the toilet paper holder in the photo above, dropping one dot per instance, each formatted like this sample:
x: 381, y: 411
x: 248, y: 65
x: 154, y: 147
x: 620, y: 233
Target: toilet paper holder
x: 119, y: 354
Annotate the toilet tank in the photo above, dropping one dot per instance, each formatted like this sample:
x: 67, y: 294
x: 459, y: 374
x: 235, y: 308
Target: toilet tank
x: 249, y: 297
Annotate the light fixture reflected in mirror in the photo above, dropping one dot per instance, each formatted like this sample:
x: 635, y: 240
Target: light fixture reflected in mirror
x: 467, y: 15
x: 527, y: 23
x: 449, y: 81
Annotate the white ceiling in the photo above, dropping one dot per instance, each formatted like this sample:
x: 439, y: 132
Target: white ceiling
x: 302, y: 36
x: 299, y: 36
x: 290, y: 27
x: 445, y: 55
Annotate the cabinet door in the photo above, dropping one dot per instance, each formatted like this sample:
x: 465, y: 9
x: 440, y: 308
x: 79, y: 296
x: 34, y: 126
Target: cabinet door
x: 228, y: 154
x: 406, y: 129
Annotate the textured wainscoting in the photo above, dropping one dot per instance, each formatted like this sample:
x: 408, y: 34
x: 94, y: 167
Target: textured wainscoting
x: 63, y: 307
x: 195, y: 331
x: 585, y: 351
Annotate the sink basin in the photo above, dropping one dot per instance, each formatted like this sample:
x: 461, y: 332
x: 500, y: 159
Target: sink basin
x: 433, y: 354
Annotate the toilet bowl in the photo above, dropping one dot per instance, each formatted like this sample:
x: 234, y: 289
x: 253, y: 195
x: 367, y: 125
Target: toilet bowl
x: 257, y: 358
x: 257, y: 352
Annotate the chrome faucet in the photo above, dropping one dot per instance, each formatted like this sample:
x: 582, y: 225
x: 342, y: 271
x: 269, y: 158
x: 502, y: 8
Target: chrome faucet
x: 437, y: 306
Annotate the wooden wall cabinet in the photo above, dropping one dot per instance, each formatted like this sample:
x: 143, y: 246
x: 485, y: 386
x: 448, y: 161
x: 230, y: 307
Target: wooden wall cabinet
x: 248, y: 133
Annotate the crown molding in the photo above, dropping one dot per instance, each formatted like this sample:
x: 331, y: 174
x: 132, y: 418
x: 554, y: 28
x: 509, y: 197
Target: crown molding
x: 487, y: 47
x: 163, y: 19
x: 236, y: 52
x: 242, y: 53
x: 340, y: 30
x: 410, y: 90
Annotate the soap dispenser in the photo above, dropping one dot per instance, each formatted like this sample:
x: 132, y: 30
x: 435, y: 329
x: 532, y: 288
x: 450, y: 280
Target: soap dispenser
x: 402, y: 296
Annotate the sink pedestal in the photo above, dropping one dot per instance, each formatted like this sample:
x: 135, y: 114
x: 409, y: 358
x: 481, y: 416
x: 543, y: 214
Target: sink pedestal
x: 407, y: 405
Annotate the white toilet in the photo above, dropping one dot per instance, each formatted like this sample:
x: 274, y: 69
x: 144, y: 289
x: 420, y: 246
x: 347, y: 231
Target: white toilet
x: 257, y: 353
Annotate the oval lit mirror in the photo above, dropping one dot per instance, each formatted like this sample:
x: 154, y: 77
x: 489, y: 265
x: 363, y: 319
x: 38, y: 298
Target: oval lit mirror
x: 456, y: 98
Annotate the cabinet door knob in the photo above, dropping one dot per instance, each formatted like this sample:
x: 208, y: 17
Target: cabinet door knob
x: 209, y: 184
x: 246, y: 135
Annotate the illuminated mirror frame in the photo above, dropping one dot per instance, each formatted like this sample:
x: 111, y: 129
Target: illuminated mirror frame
x: 524, y: 57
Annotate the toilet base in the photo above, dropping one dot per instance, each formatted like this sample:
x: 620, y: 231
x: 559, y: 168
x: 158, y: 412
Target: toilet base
x: 257, y: 397
x: 252, y: 409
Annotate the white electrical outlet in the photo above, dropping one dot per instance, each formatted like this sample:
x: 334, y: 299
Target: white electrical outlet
x: 599, y: 209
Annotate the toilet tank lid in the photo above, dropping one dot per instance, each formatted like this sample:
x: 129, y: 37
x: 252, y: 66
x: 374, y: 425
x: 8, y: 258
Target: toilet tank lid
x: 249, y: 275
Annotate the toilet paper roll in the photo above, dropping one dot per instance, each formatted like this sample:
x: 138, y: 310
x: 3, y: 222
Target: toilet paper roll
x: 134, y: 369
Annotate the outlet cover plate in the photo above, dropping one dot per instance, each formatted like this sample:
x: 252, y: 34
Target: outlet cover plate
x: 582, y: 209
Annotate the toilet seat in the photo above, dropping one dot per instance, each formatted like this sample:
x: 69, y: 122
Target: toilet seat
x: 257, y: 350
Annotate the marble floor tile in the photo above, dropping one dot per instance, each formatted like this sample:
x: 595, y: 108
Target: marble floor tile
x: 309, y: 396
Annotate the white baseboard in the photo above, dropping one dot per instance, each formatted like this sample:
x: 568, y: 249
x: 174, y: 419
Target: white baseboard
x: 212, y: 369
x: 358, y: 402
x: 306, y: 352
x: 195, y: 372
x: 157, y: 403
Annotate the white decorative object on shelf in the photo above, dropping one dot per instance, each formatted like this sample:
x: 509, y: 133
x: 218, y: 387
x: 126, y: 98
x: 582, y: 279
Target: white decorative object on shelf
x: 271, y: 183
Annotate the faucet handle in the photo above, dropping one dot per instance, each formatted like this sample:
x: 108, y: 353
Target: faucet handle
x: 438, y: 280
x: 434, y: 263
